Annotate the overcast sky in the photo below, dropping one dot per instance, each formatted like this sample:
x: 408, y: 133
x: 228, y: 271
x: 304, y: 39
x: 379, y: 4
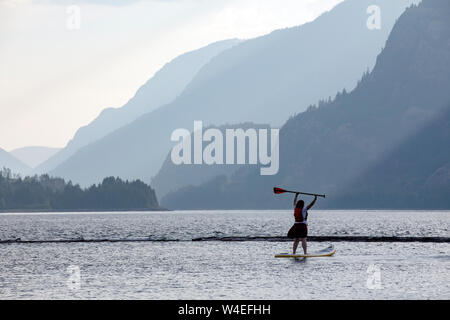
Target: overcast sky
x: 55, y: 78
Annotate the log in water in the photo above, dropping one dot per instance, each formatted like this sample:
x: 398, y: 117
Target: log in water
x: 242, y: 239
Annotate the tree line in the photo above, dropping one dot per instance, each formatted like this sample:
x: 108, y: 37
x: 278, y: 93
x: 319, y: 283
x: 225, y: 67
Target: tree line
x: 46, y: 193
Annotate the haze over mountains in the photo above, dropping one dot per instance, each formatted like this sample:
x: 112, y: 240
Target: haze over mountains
x: 35, y: 155
x: 23, y: 160
x: 7, y: 160
x: 383, y: 145
x: 263, y: 80
x: 172, y: 177
x: 159, y: 90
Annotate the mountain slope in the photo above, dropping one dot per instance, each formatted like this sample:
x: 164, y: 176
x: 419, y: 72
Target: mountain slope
x: 351, y: 145
x: 8, y: 161
x: 34, y: 156
x: 172, y: 177
x: 416, y: 174
x: 161, y: 89
x: 262, y: 80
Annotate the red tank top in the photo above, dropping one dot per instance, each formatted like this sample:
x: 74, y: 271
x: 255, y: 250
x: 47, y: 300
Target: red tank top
x: 299, y: 216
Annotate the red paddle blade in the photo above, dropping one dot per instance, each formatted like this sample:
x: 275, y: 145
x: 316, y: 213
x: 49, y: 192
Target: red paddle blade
x: 278, y: 190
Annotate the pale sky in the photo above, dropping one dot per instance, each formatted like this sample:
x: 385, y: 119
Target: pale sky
x: 54, y: 79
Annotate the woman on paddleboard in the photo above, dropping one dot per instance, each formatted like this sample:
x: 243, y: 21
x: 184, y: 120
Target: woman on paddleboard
x: 299, y: 231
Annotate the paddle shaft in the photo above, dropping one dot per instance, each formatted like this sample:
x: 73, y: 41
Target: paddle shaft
x: 305, y: 193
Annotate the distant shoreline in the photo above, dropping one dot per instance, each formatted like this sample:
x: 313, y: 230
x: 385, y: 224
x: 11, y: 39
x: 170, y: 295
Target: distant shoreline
x: 81, y: 210
x: 231, y: 210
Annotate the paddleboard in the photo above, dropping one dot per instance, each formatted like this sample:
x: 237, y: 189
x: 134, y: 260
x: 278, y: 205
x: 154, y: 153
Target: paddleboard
x: 329, y: 251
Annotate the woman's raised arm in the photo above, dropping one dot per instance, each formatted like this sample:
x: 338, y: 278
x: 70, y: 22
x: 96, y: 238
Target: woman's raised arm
x: 295, y: 199
x: 312, y: 203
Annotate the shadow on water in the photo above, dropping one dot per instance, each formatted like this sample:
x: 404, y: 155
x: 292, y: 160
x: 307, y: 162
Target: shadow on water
x: 299, y: 260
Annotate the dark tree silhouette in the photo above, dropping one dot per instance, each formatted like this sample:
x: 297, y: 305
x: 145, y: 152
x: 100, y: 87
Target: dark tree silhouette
x: 54, y: 194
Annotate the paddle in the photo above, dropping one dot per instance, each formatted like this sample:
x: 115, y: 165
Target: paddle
x: 280, y: 191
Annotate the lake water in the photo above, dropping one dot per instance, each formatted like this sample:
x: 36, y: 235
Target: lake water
x: 185, y: 269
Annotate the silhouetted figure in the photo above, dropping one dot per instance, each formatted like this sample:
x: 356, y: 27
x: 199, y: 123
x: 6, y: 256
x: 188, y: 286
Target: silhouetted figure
x: 299, y: 231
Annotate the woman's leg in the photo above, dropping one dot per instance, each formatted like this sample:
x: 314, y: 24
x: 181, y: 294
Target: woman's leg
x: 296, y: 241
x: 304, y: 245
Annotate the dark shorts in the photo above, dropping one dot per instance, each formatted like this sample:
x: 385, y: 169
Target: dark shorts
x: 298, y: 230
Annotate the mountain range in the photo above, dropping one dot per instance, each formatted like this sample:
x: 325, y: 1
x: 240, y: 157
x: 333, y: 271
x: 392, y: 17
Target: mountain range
x: 159, y: 90
x: 7, y: 160
x: 172, y: 177
x: 383, y: 145
x: 34, y: 155
x: 263, y: 80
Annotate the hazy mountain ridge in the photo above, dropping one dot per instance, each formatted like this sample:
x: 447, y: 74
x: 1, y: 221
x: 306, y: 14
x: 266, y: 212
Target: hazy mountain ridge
x: 263, y: 80
x: 415, y: 174
x: 9, y: 161
x: 34, y: 155
x: 162, y: 88
x: 358, y: 148
x: 172, y: 177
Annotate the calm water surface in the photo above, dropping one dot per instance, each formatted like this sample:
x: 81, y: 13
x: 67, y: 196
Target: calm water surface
x: 221, y: 270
